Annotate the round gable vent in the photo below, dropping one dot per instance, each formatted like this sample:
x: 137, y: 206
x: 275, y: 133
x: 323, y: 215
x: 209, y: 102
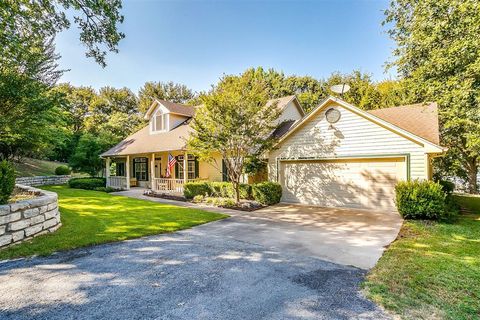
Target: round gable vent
x: 332, y: 115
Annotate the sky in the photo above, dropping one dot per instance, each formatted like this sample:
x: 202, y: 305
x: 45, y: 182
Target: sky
x: 196, y: 42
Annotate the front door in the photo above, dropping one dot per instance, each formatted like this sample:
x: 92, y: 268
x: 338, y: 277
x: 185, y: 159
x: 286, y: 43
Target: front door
x: 158, y: 167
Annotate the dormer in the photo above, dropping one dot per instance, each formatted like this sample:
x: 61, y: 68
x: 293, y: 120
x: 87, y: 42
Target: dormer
x: 165, y: 116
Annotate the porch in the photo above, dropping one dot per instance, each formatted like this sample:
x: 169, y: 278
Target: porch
x: 150, y: 171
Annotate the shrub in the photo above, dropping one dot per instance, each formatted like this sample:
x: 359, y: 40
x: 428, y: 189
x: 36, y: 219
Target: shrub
x: 7, y: 181
x: 192, y: 189
x: 422, y: 200
x: 267, y: 193
x: 198, y: 198
x: 86, y: 183
x: 62, y: 171
x: 447, y: 186
x: 222, y: 189
x: 220, y: 202
x: 105, y: 189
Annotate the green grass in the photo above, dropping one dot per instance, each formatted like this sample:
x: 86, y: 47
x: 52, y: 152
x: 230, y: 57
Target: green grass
x: 93, y: 217
x: 432, y: 271
x: 33, y: 167
x: 469, y: 202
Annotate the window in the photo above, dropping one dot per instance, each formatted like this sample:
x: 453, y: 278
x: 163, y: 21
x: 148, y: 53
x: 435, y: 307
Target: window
x: 160, y: 122
x: 140, y: 168
x: 192, y: 167
x: 120, y: 169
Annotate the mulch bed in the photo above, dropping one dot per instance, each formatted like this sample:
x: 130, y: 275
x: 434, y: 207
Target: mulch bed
x: 244, y: 205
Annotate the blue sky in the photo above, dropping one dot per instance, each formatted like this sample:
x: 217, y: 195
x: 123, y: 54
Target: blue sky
x: 195, y: 42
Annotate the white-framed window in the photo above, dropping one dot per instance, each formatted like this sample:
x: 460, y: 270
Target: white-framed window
x: 159, y: 122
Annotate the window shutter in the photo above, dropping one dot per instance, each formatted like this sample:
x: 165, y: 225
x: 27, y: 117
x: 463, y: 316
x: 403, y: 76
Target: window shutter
x: 176, y: 168
x: 197, y: 171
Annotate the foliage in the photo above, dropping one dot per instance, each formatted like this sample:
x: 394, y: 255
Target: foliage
x: 447, y: 186
x: 168, y: 91
x: 254, y: 165
x: 86, y: 157
x: 421, y: 200
x: 215, y: 189
x: 28, y: 167
x: 92, y: 217
x: 469, y: 203
x: 104, y: 189
x: 267, y: 193
x: 235, y: 121
x: 193, y: 189
x: 432, y: 271
x: 62, y: 170
x: 438, y: 54
x: 7, y: 181
x: 86, y: 183
x: 198, y: 198
x: 220, y: 202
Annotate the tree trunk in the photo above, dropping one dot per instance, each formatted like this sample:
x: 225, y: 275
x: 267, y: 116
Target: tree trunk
x: 472, y: 177
x: 236, y: 189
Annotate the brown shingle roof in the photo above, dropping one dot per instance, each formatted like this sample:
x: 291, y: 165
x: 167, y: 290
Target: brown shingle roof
x: 144, y: 142
x: 172, y: 107
x: 419, y: 119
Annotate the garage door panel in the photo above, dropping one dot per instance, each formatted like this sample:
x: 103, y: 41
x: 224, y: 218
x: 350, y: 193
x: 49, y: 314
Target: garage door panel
x: 356, y: 184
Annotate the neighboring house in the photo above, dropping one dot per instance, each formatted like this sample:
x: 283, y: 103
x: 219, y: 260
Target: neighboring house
x: 141, y: 159
x: 338, y: 155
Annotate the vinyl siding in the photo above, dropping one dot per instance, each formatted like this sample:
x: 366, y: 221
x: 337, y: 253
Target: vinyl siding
x: 352, y: 135
x: 290, y: 113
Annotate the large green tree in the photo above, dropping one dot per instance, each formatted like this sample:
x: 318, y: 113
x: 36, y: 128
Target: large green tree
x: 168, y: 91
x: 438, y: 55
x: 30, y: 112
x: 234, y: 119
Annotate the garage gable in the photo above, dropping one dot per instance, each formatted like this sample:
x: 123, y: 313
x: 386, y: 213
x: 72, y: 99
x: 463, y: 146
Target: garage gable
x: 369, y: 120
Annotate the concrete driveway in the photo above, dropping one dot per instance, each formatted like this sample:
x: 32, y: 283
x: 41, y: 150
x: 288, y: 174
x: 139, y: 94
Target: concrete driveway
x: 267, y: 265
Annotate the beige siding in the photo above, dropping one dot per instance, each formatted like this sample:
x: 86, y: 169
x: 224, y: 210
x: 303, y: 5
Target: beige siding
x: 290, y: 113
x: 211, y: 170
x: 175, y: 120
x: 352, y: 135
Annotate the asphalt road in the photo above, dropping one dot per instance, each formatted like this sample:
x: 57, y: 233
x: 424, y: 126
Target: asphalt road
x: 195, y: 274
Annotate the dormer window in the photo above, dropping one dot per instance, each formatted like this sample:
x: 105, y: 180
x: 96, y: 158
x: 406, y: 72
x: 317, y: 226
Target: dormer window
x: 160, y: 122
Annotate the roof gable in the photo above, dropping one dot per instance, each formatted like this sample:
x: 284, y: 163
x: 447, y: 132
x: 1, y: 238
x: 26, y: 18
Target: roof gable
x: 283, y: 102
x: 431, y: 146
x: 171, y: 107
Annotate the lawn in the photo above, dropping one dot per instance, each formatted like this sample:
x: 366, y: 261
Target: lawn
x: 93, y: 217
x: 468, y: 202
x: 432, y: 271
x: 33, y: 167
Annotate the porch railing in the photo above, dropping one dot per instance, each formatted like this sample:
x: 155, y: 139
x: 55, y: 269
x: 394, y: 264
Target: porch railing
x: 117, y: 182
x: 169, y: 184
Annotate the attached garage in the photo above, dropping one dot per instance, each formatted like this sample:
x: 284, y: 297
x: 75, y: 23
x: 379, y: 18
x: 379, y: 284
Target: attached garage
x: 341, y: 156
x: 354, y: 183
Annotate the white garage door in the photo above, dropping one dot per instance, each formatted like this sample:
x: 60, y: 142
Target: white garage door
x: 359, y: 183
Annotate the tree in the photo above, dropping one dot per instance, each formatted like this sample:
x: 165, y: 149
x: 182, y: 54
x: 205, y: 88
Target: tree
x: 438, y: 55
x: 86, y: 157
x: 168, y: 91
x: 235, y: 121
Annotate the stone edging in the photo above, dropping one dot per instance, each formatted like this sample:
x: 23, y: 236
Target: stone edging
x: 23, y: 220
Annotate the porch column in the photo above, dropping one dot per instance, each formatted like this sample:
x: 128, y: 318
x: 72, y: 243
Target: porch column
x: 152, y: 171
x: 107, y: 170
x: 185, y: 167
x: 127, y: 172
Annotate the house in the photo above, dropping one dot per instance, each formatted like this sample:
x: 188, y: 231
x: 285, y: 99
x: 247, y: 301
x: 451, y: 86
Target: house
x: 336, y: 156
x: 141, y: 159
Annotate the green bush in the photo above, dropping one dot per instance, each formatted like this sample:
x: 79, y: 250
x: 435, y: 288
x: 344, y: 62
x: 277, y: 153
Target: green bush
x: 422, y: 200
x: 62, y: 171
x: 267, y: 193
x: 198, y: 198
x: 447, y: 186
x: 215, y: 189
x: 192, y: 189
x: 105, y: 189
x: 220, y: 202
x: 7, y: 181
x: 87, y: 183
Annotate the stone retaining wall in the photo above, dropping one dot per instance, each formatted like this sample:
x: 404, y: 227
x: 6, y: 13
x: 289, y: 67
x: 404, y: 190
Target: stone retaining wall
x: 43, y: 180
x: 23, y: 220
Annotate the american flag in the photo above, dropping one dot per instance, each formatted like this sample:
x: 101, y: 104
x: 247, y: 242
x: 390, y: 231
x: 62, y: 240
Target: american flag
x: 170, y: 165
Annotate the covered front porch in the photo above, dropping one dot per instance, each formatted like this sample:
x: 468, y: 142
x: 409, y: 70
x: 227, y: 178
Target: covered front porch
x: 150, y: 171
